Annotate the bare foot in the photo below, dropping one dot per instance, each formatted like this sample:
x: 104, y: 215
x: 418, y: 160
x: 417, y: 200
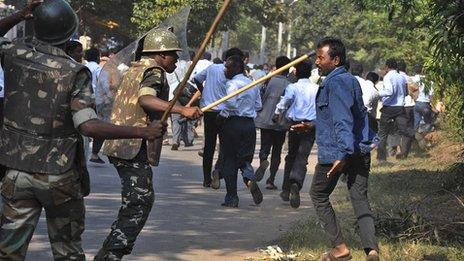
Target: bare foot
x: 340, y: 250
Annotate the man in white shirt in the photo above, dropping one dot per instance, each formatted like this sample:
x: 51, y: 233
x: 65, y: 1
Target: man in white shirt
x: 408, y: 100
x: 370, y: 94
x: 211, y: 83
x: 238, y: 139
x: 393, y: 95
x: 299, y: 106
x: 423, y: 110
x: 182, y: 128
x: 202, y: 64
x: 92, y: 56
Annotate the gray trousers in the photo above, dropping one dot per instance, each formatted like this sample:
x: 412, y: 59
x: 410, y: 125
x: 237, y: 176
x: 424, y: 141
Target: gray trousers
x: 182, y: 129
x: 357, y: 170
x: 300, y: 145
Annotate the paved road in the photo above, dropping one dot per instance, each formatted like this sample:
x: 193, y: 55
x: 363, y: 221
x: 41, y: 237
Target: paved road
x: 187, y: 221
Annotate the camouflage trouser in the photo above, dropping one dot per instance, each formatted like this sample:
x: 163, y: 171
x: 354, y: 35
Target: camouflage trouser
x: 137, y: 201
x: 24, y: 196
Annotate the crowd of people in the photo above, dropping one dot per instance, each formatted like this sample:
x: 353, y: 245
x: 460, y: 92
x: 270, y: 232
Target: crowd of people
x: 43, y: 149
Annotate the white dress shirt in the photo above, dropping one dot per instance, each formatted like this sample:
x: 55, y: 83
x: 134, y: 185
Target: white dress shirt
x: 201, y: 66
x: 370, y: 94
x: 95, y: 69
x: 177, y: 76
x: 214, y: 85
x: 395, y: 89
x: 299, y: 101
x: 245, y: 104
x: 423, y: 95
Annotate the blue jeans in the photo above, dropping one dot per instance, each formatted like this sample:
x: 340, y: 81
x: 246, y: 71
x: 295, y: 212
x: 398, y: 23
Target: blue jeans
x: 423, y: 111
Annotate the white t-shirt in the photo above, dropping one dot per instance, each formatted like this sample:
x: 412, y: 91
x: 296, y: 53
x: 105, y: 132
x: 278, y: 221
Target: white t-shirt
x: 370, y: 94
x: 95, y: 69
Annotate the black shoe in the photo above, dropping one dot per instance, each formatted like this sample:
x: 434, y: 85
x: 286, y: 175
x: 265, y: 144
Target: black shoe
x: 104, y: 255
x: 255, y: 192
x: 215, y: 182
x: 97, y: 160
x: 200, y: 153
x: 230, y: 204
x: 261, y: 170
x: 270, y: 185
x: 189, y: 144
x: 206, y: 184
x: 294, y: 196
x: 175, y: 147
x: 285, y: 195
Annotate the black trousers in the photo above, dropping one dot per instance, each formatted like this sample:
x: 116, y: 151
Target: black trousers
x: 97, y: 145
x: 238, y: 148
x: 357, y: 170
x: 212, y: 131
x: 394, y: 116
x: 272, y: 139
x: 373, y: 123
x: 300, y: 145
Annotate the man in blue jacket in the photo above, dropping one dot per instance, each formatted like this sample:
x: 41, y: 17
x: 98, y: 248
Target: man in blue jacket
x: 344, y: 144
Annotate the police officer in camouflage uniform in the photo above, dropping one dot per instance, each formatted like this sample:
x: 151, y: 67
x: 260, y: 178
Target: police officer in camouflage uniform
x: 48, y: 104
x: 142, y: 96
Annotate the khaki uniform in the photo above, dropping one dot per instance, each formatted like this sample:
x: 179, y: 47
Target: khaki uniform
x: 47, y: 97
x: 129, y: 156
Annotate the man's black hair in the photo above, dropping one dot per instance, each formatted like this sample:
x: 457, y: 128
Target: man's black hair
x: 392, y: 64
x: 237, y: 62
x: 105, y: 51
x: 217, y: 60
x: 401, y: 65
x: 336, y: 48
x: 206, y: 56
x: 92, y: 55
x: 356, y: 68
x: 72, y: 45
x: 281, y: 61
x: 232, y: 52
x: 303, y: 69
x: 373, y: 77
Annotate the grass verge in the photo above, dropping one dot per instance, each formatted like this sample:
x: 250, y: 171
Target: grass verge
x: 418, y: 204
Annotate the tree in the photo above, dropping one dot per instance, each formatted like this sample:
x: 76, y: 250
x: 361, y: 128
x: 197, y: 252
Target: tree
x: 443, y: 22
x: 203, y: 13
x: 101, y: 21
x: 368, y: 35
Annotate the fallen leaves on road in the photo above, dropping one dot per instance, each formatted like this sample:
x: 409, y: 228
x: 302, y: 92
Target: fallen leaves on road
x: 276, y: 253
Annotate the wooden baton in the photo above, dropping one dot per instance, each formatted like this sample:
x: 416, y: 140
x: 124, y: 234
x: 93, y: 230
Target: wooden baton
x: 154, y: 147
x: 261, y: 80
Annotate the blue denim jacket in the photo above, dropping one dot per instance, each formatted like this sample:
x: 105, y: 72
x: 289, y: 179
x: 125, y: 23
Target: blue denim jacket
x: 342, y: 127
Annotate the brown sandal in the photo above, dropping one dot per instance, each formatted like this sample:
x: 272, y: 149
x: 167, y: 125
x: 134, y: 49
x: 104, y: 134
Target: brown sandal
x: 328, y: 256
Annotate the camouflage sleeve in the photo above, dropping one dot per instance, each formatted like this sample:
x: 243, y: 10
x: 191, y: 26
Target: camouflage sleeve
x: 82, y: 99
x: 152, y: 83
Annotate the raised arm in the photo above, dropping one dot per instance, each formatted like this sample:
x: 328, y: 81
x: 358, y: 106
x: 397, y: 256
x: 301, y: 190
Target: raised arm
x: 9, y: 22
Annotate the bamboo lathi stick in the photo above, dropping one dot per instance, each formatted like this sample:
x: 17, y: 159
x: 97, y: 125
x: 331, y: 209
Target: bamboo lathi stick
x: 154, y: 147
